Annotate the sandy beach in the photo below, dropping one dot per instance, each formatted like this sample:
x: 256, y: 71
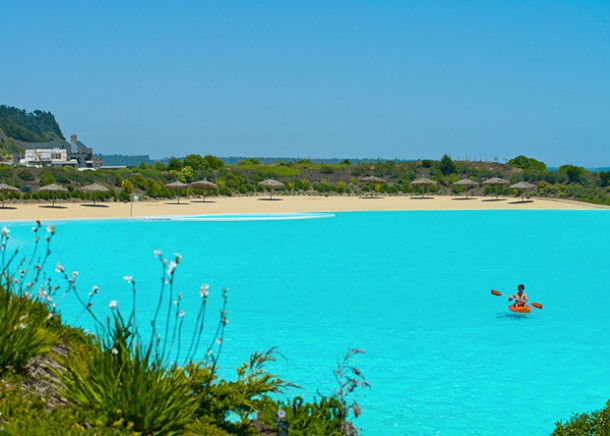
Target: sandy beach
x: 286, y: 204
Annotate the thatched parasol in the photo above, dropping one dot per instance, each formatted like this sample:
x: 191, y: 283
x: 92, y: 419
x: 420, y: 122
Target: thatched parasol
x: 4, y: 187
x: 424, y: 181
x: 53, y: 188
x: 372, y: 180
x: 205, y: 185
x: 177, y: 185
x: 93, y: 188
x: 496, y: 181
x: 523, y: 187
x: 470, y: 184
x: 271, y: 185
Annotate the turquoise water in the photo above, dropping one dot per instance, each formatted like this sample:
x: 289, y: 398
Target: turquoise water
x: 443, y: 355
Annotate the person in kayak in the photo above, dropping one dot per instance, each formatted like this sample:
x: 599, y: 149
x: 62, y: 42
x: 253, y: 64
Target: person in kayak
x: 520, y: 297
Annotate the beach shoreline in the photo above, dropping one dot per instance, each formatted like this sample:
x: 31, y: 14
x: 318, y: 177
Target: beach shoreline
x: 282, y: 204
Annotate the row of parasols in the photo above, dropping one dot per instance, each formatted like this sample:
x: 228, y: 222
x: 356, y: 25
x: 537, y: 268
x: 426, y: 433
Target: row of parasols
x: 96, y: 187
x: 523, y: 187
x: 274, y: 184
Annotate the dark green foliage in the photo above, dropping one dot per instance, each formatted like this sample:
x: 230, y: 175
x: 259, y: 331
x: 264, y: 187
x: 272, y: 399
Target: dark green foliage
x: 317, y: 418
x: 196, y: 162
x: 604, y: 177
x: 446, y: 165
x: 594, y: 423
x: 46, y: 179
x: 14, y: 130
x: 34, y: 126
x: 174, y: 164
x: 213, y: 162
x: 527, y: 163
x: 575, y: 174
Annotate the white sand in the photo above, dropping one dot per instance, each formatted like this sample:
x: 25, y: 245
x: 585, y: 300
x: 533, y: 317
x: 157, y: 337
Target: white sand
x: 281, y: 204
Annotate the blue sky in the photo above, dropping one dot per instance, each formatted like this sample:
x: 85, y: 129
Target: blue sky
x: 364, y: 79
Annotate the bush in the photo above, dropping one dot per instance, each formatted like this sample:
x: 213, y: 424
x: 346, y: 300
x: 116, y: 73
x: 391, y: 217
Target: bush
x: 594, y: 423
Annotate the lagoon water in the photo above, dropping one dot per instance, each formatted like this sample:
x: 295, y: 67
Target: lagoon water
x: 443, y: 355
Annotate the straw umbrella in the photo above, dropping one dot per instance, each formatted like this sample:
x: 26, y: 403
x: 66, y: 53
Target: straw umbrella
x: 424, y: 181
x: 205, y: 185
x: 271, y: 185
x: 372, y: 180
x: 93, y: 188
x: 53, y: 188
x: 470, y: 184
x: 4, y: 187
x: 523, y: 186
x: 177, y: 185
x: 496, y: 181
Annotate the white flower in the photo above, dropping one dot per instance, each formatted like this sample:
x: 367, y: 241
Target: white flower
x: 210, y: 353
x: 172, y: 266
x: 218, y: 341
x: 75, y: 274
x: 59, y: 268
x: 22, y: 325
x: 5, y: 231
x: 95, y: 289
x: 181, y: 314
x: 34, y: 229
x: 113, y: 304
x: 157, y: 253
x: 203, y: 290
x: 178, y: 257
x: 114, y: 351
x: 23, y: 317
x: 128, y: 278
x: 49, y: 316
x: 51, y: 229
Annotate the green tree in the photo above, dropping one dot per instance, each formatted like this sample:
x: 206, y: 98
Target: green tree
x: 187, y: 174
x: 575, y: 174
x: 174, y: 164
x: 527, y: 163
x: 446, y: 165
x: 46, y: 179
x: 159, y: 166
x: 196, y: 162
x: 213, y: 162
x: 604, y: 177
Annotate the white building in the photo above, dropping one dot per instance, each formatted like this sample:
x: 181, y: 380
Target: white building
x: 38, y: 157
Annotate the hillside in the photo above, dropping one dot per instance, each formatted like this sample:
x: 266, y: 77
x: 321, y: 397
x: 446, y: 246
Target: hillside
x: 37, y: 126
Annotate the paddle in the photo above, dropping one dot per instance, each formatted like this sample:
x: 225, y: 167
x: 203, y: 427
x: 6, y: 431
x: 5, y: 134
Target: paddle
x: 499, y: 294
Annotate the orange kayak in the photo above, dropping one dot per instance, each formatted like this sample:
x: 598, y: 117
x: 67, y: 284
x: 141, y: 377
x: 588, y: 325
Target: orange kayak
x: 520, y: 309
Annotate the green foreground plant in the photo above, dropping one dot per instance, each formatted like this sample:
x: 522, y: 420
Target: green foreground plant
x: 120, y: 382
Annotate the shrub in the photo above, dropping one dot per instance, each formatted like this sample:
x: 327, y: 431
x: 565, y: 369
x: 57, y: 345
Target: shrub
x: 594, y: 423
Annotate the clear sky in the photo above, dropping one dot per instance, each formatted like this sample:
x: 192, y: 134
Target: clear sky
x: 392, y: 79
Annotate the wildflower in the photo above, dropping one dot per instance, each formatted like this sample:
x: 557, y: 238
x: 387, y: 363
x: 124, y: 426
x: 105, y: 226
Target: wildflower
x: 181, y: 314
x: 225, y: 321
x: 209, y: 353
x: 95, y: 289
x: 113, y: 304
x: 51, y: 229
x: 34, y: 229
x: 90, y: 294
x: 128, y: 278
x: 176, y: 303
x: 172, y: 266
x: 281, y: 414
x: 50, y: 315
x: 157, y: 253
x: 203, y: 290
x: 75, y: 275
x: 5, y: 231
x: 22, y: 317
x: 22, y: 325
x: 22, y: 273
x: 59, y: 268
x: 114, y: 351
x: 178, y: 257
x: 218, y: 341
